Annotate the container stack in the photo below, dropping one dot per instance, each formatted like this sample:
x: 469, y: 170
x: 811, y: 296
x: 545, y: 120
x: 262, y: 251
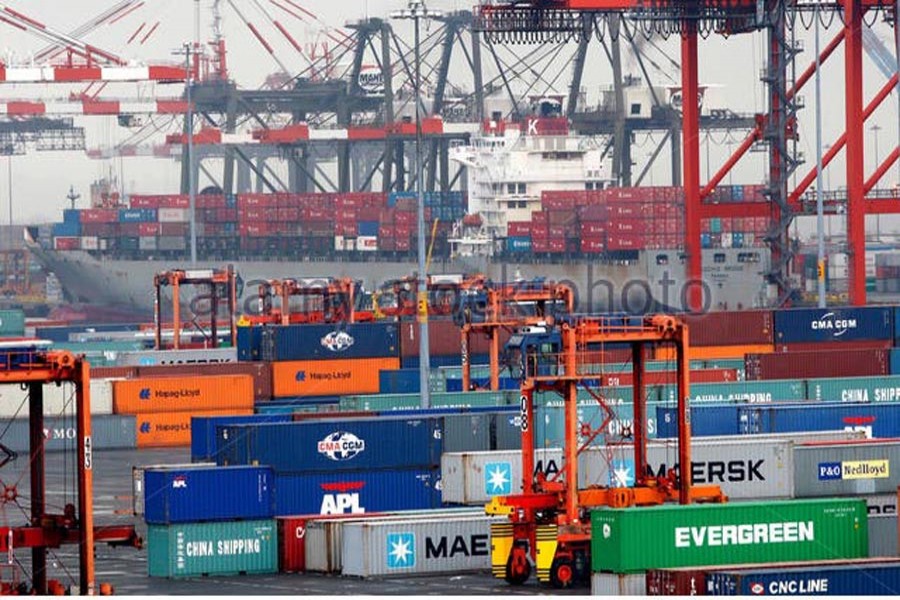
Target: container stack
x: 163, y: 406
x: 347, y: 466
x: 194, y: 531
x: 626, y: 543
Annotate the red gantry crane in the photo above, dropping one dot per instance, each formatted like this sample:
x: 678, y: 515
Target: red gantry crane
x: 222, y: 284
x: 549, y: 522
x: 325, y: 301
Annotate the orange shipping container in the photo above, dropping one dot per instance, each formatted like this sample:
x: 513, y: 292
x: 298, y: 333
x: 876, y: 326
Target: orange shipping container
x: 329, y: 377
x: 172, y: 429
x: 173, y: 394
x: 716, y: 352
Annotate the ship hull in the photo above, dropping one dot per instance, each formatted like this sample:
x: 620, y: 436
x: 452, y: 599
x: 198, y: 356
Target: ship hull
x: 655, y: 281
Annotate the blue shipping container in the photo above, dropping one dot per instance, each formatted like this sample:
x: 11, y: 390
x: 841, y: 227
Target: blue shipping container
x: 803, y: 325
x: 249, y: 340
x: 333, y: 445
x: 350, y: 492
x: 506, y: 383
x: 317, y: 342
x: 400, y: 381
x: 208, y: 494
x: 895, y: 361
x: 878, y: 420
x: 518, y: 244
x: 71, y: 215
x: 897, y: 326
x: 137, y: 215
x: 367, y: 227
x: 203, y: 431
x: 451, y: 360
x: 852, y: 580
x: 66, y: 230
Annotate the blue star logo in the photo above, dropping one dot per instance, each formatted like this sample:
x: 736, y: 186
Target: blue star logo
x: 621, y: 473
x: 401, y: 550
x: 497, y: 479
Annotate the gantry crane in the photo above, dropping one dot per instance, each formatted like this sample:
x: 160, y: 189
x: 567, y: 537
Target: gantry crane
x: 325, y: 301
x: 444, y: 293
x: 28, y: 363
x: 222, y: 283
x: 549, y: 521
x: 490, y: 309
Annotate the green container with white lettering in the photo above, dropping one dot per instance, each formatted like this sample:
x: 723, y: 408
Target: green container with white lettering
x: 855, y: 389
x: 223, y: 548
x: 673, y: 536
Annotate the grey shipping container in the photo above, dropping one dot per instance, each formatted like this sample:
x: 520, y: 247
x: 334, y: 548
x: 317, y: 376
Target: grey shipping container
x: 444, y: 545
x: 323, y: 539
x: 755, y: 468
x: 881, y: 504
x: 171, y: 242
x: 108, y: 432
x: 137, y: 481
x: 883, y: 535
x: 846, y: 469
x: 618, y: 584
x: 176, y: 357
x: 59, y: 400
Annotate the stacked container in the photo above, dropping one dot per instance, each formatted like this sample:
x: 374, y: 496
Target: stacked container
x: 193, y: 530
x: 163, y: 406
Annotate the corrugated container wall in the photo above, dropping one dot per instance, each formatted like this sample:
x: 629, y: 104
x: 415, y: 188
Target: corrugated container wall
x: 730, y: 328
x: 618, y: 584
x: 833, y: 324
x: 203, y: 431
x: 853, y: 580
x: 137, y: 480
x: 12, y: 323
x: 325, y: 342
x: 329, y: 377
x: 392, y: 548
x: 637, y: 539
x: 172, y: 429
x: 210, y: 494
x: 328, y: 446
x: 353, y: 492
x: 108, y: 432
x: 176, y: 394
x: 223, y: 548
x: 147, y: 358
x: 822, y: 470
x: 59, y: 400
x: 834, y: 363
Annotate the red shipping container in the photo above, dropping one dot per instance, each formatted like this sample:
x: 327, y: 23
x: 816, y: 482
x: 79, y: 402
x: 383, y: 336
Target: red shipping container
x: 368, y: 213
x: 259, y: 229
x: 540, y: 217
x: 289, y: 214
x: 144, y: 202
x: 174, y: 228
x: 828, y: 346
x: 557, y: 203
x: 557, y: 232
x: 668, y: 377
x: 540, y: 231
x: 593, y: 245
x: 518, y: 228
x: 625, y: 241
x: 830, y: 363
x: 345, y: 215
x: 175, y: 201
x: 131, y: 229
x: 257, y: 214
x: 617, y: 211
x: 444, y: 338
x: 627, y: 226
x: 556, y: 245
x: 593, y: 212
x: 592, y: 228
x: 676, y: 582
x: 540, y: 244
x: 402, y: 244
x: 67, y: 243
x: 404, y: 218
x: 99, y: 215
x: 148, y: 229
x: 317, y: 214
x: 730, y: 328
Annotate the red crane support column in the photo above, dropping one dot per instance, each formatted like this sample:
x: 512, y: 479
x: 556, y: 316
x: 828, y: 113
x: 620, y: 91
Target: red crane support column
x: 85, y: 458
x: 856, y: 201
x: 691, y: 150
x: 38, y: 483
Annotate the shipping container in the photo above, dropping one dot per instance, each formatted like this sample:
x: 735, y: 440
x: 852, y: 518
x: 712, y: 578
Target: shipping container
x: 882, y: 535
x: 354, y: 492
x: 329, y: 377
x: 618, y: 584
x: 203, y: 431
x: 172, y: 429
x: 322, y: 541
x: 386, y: 402
x: 320, y: 342
x: 177, y: 394
x: 137, y: 480
x: 831, y: 363
x: 221, y: 548
x: 108, y: 432
x: 846, y: 469
x: 333, y: 445
x: 208, y: 494
x: 261, y: 373
x: 636, y: 539
x: 59, y: 400
x: 725, y: 328
x: 401, y: 381
x: 391, y: 548
x: 853, y: 580
x: 177, y: 357
x: 854, y: 389
x: 833, y: 324
x: 12, y: 323
x: 444, y: 338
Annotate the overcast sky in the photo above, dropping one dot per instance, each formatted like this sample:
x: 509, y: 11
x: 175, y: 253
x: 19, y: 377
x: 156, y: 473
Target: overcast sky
x: 41, y: 179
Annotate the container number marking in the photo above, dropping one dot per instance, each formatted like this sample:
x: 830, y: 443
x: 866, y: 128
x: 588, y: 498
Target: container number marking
x: 524, y: 412
x: 88, y: 452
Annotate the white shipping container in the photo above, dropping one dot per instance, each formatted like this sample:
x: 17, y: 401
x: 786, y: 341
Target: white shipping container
x: 145, y: 358
x: 146, y: 242
x: 617, y: 584
x: 59, y: 400
x: 443, y: 545
x: 367, y: 243
x: 322, y: 540
x: 745, y: 468
x: 90, y: 242
x: 173, y: 215
x: 846, y: 469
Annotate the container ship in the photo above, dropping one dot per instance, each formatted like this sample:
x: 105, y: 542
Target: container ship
x: 535, y: 204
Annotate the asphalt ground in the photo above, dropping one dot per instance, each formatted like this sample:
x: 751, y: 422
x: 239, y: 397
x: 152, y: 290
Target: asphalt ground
x: 126, y: 568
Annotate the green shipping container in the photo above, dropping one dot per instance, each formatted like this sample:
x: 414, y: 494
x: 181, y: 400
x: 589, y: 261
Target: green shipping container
x: 12, y: 323
x: 673, y: 536
x: 438, y: 400
x: 855, y: 389
x: 743, y: 391
x: 228, y: 548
